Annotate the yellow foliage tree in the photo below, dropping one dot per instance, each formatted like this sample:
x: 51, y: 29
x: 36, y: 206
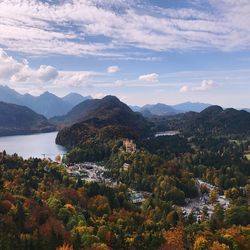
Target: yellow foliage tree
x: 99, y: 246
x: 200, y: 243
x: 213, y: 196
x: 219, y: 246
x: 239, y: 234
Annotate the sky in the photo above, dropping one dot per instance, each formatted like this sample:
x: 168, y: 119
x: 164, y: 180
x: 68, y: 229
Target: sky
x: 149, y: 51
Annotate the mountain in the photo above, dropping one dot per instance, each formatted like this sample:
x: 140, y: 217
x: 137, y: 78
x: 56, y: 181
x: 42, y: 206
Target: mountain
x: 191, y: 106
x: 75, y: 98
x: 46, y: 104
x: 135, y: 108
x: 16, y: 119
x: 9, y: 95
x: 217, y: 120
x: 159, y: 109
x: 99, y: 114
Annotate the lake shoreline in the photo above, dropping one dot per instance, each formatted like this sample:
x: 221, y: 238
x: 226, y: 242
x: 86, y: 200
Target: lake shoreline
x: 37, y: 145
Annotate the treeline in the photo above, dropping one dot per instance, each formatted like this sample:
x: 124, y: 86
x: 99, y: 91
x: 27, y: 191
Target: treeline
x: 41, y: 207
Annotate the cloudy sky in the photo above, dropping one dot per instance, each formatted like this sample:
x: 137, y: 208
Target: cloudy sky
x: 146, y: 51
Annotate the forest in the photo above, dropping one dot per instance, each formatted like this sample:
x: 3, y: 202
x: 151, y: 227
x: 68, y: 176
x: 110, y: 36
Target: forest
x: 43, y: 207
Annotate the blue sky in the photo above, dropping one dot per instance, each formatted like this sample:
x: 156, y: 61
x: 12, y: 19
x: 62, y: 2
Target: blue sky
x: 151, y: 51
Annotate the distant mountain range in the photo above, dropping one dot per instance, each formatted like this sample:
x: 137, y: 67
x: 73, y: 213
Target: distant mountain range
x: 19, y: 120
x: 113, y: 118
x: 191, y: 106
x: 161, y: 109
x: 51, y: 105
x: 46, y: 104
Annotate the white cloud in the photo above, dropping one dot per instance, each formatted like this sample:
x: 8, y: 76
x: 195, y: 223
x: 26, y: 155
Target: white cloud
x: 149, y: 78
x: 18, y: 74
x: 74, y: 78
x: 119, y: 83
x: 204, y: 86
x: 32, y: 27
x: 113, y: 69
x: 99, y: 95
x: 184, y: 89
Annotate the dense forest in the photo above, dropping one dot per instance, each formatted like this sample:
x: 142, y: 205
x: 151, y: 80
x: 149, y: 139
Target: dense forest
x: 43, y: 207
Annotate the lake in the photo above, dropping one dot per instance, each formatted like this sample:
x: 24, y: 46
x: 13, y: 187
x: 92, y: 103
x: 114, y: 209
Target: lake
x: 167, y: 133
x: 32, y: 145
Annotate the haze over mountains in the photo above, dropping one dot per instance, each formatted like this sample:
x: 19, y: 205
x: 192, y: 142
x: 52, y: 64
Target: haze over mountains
x: 46, y: 104
x: 161, y: 109
x: 50, y: 105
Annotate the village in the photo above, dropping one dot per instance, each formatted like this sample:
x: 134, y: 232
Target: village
x: 96, y: 172
x: 203, y: 204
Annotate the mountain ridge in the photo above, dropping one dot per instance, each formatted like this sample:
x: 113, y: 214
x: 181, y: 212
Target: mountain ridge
x: 46, y: 104
x: 215, y: 119
x: 20, y: 120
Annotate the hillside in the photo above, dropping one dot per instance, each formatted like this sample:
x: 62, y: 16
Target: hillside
x: 217, y: 120
x: 96, y: 114
x: 15, y: 120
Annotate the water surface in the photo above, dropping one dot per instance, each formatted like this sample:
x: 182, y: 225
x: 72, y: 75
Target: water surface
x: 36, y: 145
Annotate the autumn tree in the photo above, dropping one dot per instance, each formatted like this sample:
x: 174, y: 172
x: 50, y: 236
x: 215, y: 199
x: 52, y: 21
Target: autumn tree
x: 201, y: 243
x: 175, y: 239
x: 213, y: 196
x: 219, y: 246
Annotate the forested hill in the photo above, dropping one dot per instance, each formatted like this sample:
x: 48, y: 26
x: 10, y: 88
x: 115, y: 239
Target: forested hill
x: 109, y: 109
x: 215, y: 119
x: 97, y: 114
x: 15, y: 119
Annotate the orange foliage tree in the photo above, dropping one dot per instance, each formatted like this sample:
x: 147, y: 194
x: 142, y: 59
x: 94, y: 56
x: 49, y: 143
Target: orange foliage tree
x: 175, y: 238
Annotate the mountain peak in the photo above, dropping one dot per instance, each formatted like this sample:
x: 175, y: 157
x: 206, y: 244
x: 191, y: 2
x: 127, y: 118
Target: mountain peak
x: 73, y: 94
x: 110, y: 98
x: 215, y: 109
x: 47, y: 93
x: 75, y: 98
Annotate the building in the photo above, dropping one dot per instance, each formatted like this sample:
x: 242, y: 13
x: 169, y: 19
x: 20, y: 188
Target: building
x: 136, y: 197
x: 129, y: 145
x: 125, y: 166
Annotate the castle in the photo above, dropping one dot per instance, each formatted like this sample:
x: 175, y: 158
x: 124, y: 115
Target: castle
x: 129, y: 145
